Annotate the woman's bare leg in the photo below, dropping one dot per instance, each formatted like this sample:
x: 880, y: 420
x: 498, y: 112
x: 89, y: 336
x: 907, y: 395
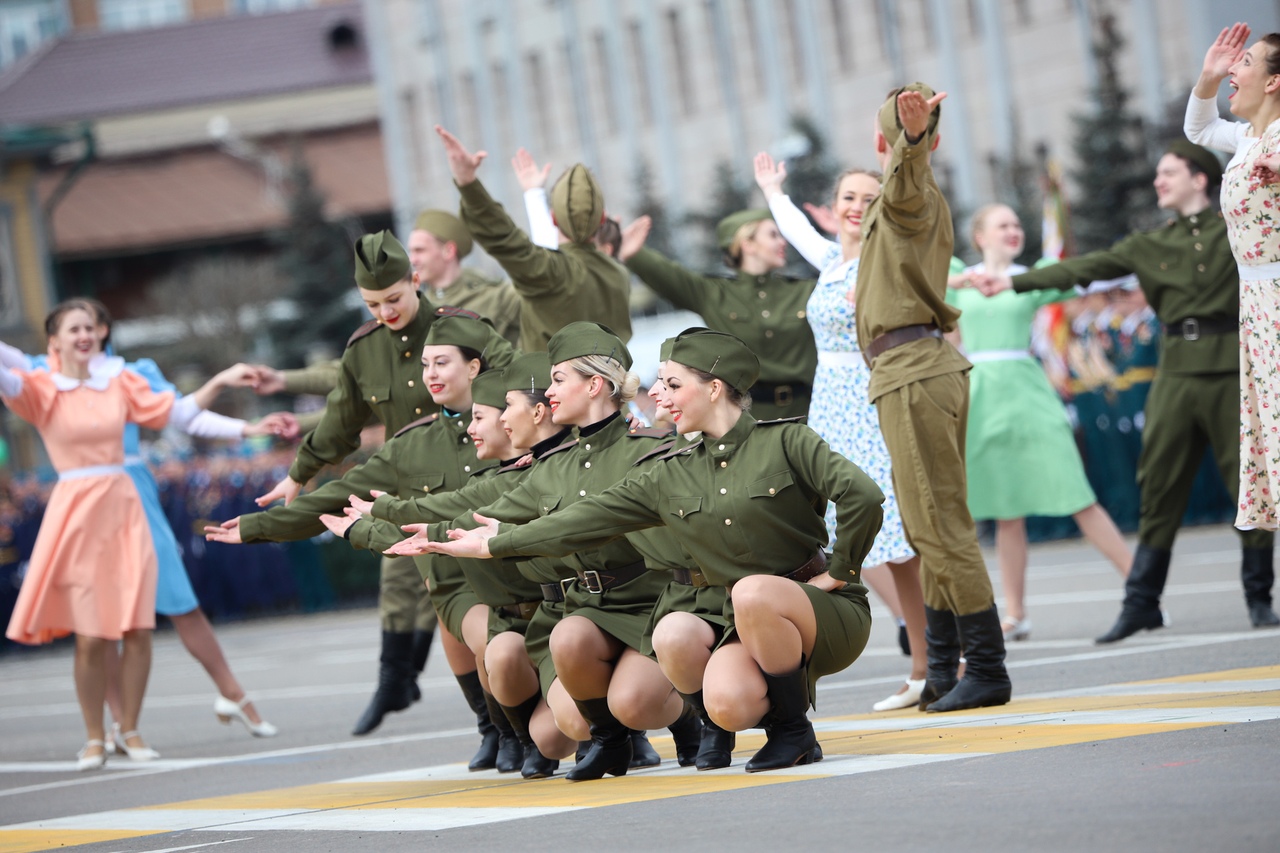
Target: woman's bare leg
x: 682, y: 643
x: 1011, y: 554
x: 512, y: 676
x: 1102, y: 533
x: 475, y: 631
x: 91, y: 684
x: 640, y: 696
x: 733, y: 689
x: 197, y: 636
x: 111, y: 672
x: 878, y: 579
x: 461, y: 659
x: 565, y: 712
x: 135, y: 670
x: 906, y: 580
x: 584, y: 657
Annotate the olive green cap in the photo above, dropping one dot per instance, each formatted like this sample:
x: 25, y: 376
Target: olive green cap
x: 489, y: 389
x: 664, y: 350
x: 577, y: 204
x: 530, y: 372
x: 459, y: 331
x: 446, y: 227
x: 727, y: 228
x: 380, y: 261
x: 1201, y: 156
x: 891, y: 124
x: 722, y: 355
x: 582, y: 338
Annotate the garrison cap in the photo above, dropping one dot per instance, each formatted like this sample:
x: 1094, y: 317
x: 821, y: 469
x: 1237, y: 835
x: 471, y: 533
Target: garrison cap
x: 530, y: 372
x: 578, y: 204
x: 582, y: 338
x: 446, y: 227
x: 489, y: 389
x: 380, y: 261
x: 664, y: 349
x: 459, y: 331
x: 1205, y: 159
x: 722, y: 355
x: 727, y: 228
x: 891, y: 124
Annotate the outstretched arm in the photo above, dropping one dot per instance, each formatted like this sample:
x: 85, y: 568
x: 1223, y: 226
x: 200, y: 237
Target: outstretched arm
x: 1202, y: 123
x: 533, y: 180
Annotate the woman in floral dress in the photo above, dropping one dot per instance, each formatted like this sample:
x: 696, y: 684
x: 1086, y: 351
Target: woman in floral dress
x: 840, y: 411
x: 1250, y: 205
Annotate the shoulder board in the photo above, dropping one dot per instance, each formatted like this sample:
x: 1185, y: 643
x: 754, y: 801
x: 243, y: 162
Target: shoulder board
x: 363, y: 332
x: 661, y: 450
x: 649, y: 432
x: 566, y: 446
x: 680, y: 451
x: 455, y: 311
x: 519, y: 465
x: 429, y: 419
x: 797, y: 420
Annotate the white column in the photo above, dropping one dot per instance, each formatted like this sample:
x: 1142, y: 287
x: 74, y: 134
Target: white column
x: 394, y: 129
x: 957, y: 135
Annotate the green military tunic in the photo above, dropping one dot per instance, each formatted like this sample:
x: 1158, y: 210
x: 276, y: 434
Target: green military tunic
x: 749, y: 502
x: 1189, y: 276
x: 319, y: 380
x: 495, y: 300
x: 576, y: 282
x: 766, y: 311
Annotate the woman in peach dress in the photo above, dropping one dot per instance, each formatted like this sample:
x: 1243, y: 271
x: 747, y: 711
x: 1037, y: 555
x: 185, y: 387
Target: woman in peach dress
x: 92, y: 571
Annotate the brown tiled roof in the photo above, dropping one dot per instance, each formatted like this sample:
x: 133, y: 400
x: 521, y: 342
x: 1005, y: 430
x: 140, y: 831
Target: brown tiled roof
x: 197, y: 195
x: 86, y: 76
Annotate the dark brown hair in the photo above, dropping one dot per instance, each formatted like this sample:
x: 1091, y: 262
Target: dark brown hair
x: 870, y: 173
x: 738, y: 398
x: 609, y: 236
x: 62, y: 309
x: 1272, y: 41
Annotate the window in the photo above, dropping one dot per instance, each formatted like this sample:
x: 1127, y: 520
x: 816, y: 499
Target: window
x: 140, y: 14
x: 753, y: 44
x: 680, y: 62
x: 600, y: 48
x: 840, y: 32
x: 541, y: 106
x: 498, y: 78
x: 640, y: 71
x: 262, y: 7
x: 25, y: 26
x: 793, y: 43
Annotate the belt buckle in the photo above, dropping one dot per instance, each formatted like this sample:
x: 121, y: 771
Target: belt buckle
x: 783, y: 395
x: 591, y: 580
x: 1191, y: 329
x: 565, y: 583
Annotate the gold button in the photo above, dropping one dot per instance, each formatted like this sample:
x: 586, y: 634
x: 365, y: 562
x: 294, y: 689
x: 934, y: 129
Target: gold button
x: 768, y: 333
x: 1194, y: 220
x: 546, y: 509
x: 1163, y: 265
x: 417, y: 411
x: 1195, y: 232
x: 404, y: 337
x: 464, y: 439
x: 582, y: 494
x: 1199, y: 247
x: 586, y: 464
x: 733, y: 315
x: 724, y: 464
x: 763, y: 295
x: 800, y: 315
x: 724, y: 491
x: 410, y: 383
x: 728, y: 522
x: 722, y: 447
x: 1200, y: 267
x: 466, y: 468
x: 406, y: 353
x: 374, y: 398
x: 426, y: 488
x: 764, y: 314
x: 773, y: 491
x: 586, y: 447
x: 680, y: 513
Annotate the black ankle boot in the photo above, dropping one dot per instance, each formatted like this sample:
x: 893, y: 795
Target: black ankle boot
x: 942, y: 649
x: 395, y: 672
x: 486, y: 757
x: 687, y: 733
x: 610, y: 750
x: 510, y: 756
x: 1142, y: 589
x: 535, y: 765
x: 642, y: 752
x: 985, y: 681
x: 715, y: 747
x: 790, y: 737
x: 1257, y: 574
x: 421, y: 651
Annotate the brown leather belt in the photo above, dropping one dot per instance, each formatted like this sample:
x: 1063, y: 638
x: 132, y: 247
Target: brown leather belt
x: 554, y: 592
x: 779, y: 395
x: 689, y: 577
x: 811, y: 569
x: 898, y: 337
x: 1193, y: 328
x: 598, y: 581
x: 522, y: 609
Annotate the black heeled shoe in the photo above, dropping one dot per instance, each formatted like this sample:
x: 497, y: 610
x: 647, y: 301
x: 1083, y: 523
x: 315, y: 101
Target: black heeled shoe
x: 610, y: 750
x: 790, y: 739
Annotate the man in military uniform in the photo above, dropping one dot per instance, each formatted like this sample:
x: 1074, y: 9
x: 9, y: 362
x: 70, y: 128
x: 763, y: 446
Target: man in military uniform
x: 1190, y: 278
x: 762, y: 308
x: 920, y: 386
x: 381, y: 377
x: 575, y: 282
x: 437, y: 245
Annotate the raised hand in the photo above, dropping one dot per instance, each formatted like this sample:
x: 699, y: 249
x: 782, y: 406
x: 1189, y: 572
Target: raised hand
x: 462, y: 163
x: 338, y: 524
x: 228, y: 532
x: 1225, y: 51
x: 822, y: 217
x: 288, y: 489
x: 914, y: 110
x: 1266, y: 169
x: 633, y: 237
x: 528, y: 173
x: 282, y: 424
x: 769, y: 175
x: 237, y: 376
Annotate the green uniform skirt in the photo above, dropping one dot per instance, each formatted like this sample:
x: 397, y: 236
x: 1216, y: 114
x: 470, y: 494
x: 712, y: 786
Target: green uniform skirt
x: 537, y: 640
x: 451, y: 595
x: 705, y: 602
x: 622, y: 612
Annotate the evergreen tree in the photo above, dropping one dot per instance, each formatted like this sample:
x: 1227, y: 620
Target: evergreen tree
x: 651, y: 205
x: 728, y: 195
x: 1113, y: 175
x: 811, y: 175
x: 316, y: 260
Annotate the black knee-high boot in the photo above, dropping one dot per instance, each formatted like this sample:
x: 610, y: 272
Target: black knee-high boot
x: 536, y: 765
x: 1257, y: 574
x: 1142, y: 589
x: 486, y: 757
x: 790, y: 739
x: 715, y: 747
x: 510, y: 751
x: 421, y: 651
x: 395, y: 672
x: 687, y: 733
x: 942, y: 649
x: 610, y: 750
x: 985, y: 681
x: 642, y: 752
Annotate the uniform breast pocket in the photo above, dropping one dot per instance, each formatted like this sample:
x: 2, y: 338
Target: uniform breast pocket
x: 683, y: 507
x: 548, y: 504
x: 770, y: 486
x: 426, y: 483
x: 376, y: 395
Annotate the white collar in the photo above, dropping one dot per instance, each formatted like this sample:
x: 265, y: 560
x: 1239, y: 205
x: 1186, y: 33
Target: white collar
x: 102, y: 369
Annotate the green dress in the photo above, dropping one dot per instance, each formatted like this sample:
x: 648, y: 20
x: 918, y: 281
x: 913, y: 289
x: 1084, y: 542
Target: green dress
x: 1020, y: 452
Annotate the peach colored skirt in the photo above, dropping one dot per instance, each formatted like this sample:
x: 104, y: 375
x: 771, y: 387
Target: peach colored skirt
x: 93, y: 568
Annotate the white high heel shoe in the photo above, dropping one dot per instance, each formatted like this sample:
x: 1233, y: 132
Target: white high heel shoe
x: 112, y: 737
x: 1016, y: 629
x: 135, y: 753
x: 228, y: 711
x: 85, y: 761
x: 904, y: 699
